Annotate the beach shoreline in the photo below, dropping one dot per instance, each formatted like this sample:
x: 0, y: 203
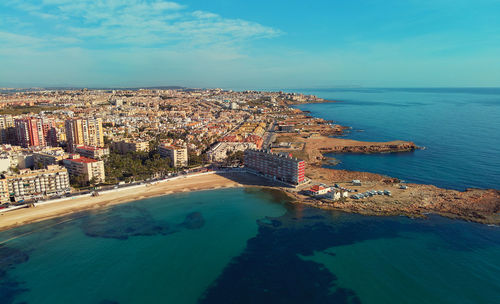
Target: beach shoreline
x: 477, y: 205
x: 403, y: 202
x: 57, y: 208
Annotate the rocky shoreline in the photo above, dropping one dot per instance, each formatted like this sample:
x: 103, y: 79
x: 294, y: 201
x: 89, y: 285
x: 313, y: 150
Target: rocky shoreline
x: 376, y: 148
x: 313, y: 141
x: 312, y: 148
x: 476, y: 205
x: 315, y: 100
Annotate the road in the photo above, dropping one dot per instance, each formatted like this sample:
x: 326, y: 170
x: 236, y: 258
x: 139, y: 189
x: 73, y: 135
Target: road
x: 269, y: 136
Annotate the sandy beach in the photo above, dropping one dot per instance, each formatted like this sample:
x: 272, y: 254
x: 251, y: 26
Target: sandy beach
x: 473, y: 205
x: 42, y: 212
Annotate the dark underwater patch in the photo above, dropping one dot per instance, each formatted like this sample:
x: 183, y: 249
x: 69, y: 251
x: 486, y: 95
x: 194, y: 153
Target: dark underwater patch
x: 9, y: 290
x: 270, y: 269
x: 193, y: 220
x: 268, y: 194
x: 123, y: 223
x: 9, y: 258
x: 128, y: 221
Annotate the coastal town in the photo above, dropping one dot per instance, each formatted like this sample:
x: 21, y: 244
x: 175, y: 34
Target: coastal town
x: 67, y: 146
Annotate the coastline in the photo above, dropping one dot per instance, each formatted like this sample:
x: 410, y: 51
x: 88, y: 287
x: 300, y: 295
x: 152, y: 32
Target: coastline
x: 320, y: 100
x: 473, y: 205
x: 310, y: 144
x: 53, y: 209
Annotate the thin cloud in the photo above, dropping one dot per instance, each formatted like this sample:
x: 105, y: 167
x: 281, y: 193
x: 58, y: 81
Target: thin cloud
x: 139, y: 23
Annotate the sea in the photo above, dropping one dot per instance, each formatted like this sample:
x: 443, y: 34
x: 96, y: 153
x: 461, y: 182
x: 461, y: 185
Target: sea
x: 252, y: 245
x: 458, y: 129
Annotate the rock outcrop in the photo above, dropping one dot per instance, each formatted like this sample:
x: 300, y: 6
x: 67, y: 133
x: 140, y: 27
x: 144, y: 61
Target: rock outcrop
x: 478, y: 205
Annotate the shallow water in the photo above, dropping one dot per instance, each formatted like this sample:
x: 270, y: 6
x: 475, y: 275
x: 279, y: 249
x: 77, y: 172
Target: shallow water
x: 246, y: 246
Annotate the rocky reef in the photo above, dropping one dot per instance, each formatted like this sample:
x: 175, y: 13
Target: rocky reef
x: 132, y: 221
x: 9, y: 287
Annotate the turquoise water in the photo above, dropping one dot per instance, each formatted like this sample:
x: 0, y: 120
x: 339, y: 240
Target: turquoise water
x: 460, y: 129
x: 246, y: 246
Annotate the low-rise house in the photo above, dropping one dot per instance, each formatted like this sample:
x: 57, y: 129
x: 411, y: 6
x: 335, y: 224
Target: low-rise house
x: 336, y: 194
x: 318, y: 190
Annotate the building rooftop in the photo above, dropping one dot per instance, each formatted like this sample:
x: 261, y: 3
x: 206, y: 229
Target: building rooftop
x: 168, y: 146
x: 82, y: 159
x: 317, y: 188
x: 90, y: 148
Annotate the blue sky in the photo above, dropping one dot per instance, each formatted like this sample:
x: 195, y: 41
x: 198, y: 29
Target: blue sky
x: 250, y: 44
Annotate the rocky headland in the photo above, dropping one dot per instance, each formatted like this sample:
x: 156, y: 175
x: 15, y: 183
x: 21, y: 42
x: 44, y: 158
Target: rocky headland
x: 312, y: 148
x: 414, y: 200
x: 312, y: 140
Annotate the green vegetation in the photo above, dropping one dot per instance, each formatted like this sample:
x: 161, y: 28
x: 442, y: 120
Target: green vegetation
x: 159, y: 137
x: 135, y: 166
x: 235, y: 158
x: 78, y: 181
x: 26, y: 110
x: 194, y: 160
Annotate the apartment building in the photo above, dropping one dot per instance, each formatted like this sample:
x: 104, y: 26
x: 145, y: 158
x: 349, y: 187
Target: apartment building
x: 87, y: 167
x: 220, y: 151
x: 49, y: 156
x: 177, y: 155
x: 125, y: 146
x: 29, y: 132
x: 276, y: 165
x: 4, y: 191
x: 92, y: 152
x: 30, y: 184
x: 84, y: 132
x: 7, y: 130
x: 50, y: 133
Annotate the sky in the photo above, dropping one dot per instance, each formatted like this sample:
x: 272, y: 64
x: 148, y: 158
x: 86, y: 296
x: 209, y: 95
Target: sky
x: 271, y: 44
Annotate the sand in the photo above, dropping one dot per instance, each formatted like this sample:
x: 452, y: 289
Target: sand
x: 42, y: 212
